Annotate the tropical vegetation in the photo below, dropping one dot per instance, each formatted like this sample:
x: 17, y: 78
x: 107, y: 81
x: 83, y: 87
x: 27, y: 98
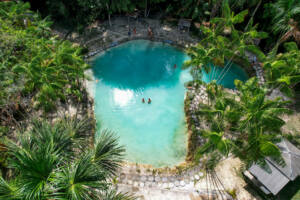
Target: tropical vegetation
x: 46, y: 159
x: 223, y: 44
x: 282, y: 70
x: 37, y: 69
x: 247, y: 124
x: 57, y: 161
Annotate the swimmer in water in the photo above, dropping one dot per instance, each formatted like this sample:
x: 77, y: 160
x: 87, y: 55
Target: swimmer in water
x: 143, y: 100
x: 149, y: 100
x: 97, y: 80
x: 175, y: 66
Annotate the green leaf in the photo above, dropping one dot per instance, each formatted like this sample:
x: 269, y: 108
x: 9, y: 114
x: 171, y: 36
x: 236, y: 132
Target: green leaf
x: 291, y: 46
x: 239, y: 18
x: 256, y: 50
x: 269, y: 149
x: 19, y: 69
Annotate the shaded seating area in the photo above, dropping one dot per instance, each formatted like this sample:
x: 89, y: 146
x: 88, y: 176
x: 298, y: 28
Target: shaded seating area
x: 273, y: 178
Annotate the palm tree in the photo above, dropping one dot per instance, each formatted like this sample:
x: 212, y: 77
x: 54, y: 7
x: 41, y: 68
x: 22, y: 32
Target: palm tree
x: 293, y: 32
x: 53, y: 67
x: 223, y: 44
x: 248, y: 119
x: 47, y: 164
x: 229, y: 19
x: 38, y: 65
x: 286, y: 15
x: 257, y: 110
x: 216, y: 147
x: 216, y: 141
x: 283, y: 70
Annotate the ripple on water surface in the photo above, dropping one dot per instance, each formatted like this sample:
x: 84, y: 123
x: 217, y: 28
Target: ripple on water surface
x: 152, y: 133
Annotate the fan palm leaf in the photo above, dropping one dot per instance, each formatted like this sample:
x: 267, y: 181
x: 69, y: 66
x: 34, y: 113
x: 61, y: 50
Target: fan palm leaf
x: 107, y: 153
x: 81, y: 181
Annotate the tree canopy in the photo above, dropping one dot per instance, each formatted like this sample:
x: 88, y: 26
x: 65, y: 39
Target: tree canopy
x: 50, y: 163
x: 37, y: 69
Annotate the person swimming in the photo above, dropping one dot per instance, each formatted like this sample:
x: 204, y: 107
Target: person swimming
x: 149, y: 100
x: 143, y: 100
x: 175, y: 66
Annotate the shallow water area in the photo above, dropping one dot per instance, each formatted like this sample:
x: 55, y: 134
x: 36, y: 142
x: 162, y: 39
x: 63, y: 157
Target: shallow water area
x: 152, y: 133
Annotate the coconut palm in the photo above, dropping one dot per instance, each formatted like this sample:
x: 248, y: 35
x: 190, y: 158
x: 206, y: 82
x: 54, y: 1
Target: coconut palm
x: 216, y: 141
x: 248, y: 119
x: 256, y: 147
x: 260, y: 123
x: 47, y: 164
x: 216, y: 147
x: 223, y: 44
x: 282, y: 71
x: 229, y: 19
x: 258, y: 111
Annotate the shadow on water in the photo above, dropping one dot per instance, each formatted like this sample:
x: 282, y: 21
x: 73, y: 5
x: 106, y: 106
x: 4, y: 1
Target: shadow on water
x: 226, y: 75
x: 133, y: 67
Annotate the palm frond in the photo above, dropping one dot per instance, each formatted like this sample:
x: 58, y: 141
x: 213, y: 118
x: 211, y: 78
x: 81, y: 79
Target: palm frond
x: 83, y: 180
x: 107, y: 153
x: 114, y: 195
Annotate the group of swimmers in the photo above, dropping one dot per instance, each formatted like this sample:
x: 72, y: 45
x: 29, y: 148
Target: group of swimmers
x: 149, y: 100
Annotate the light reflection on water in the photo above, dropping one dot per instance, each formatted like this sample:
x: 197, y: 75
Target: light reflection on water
x: 151, y: 133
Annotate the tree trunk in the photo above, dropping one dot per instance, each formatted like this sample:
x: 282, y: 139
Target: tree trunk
x: 215, y: 9
x: 145, y: 14
x: 108, y: 14
x: 255, y: 10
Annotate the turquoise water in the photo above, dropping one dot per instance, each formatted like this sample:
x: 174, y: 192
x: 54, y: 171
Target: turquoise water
x: 151, y: 133
x: 225, y: 75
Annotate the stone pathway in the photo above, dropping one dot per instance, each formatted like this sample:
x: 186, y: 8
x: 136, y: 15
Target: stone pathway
x: 150, y: 185
x: 118, y: 33
x: 257, y: 67
x: 199, y: 95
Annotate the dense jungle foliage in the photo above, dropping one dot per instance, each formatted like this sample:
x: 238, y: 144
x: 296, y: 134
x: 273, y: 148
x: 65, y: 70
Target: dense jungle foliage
x: 279, y: 18
x: 38, y: 70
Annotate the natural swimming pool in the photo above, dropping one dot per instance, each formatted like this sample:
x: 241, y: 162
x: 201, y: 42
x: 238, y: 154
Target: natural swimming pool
x: 225, y: 75
x: 151, y: 133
